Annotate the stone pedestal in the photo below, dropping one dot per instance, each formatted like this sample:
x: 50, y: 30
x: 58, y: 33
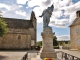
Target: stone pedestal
x: 47, y: 50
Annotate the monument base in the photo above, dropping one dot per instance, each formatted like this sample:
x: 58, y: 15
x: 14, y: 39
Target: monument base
x: 47, y: 50
x: 48, y: 55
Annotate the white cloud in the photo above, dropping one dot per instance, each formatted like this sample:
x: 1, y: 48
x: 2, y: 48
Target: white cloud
x: 27, y: 7
x: 22, y: 1
x: 12, y: 7
x: 63, y: 37
x: 72, y: 8
x: 65, y: 2
x: 22, y: 13
x: 68, y: 15
x: 72, y: 17
x: 33, y: 3
x: 59, y: 23
x: 2, y: 5
x: 20, y: 6
x: 11, y: 14
x: 37, y: 11
x: 57, y: 14
x: 39, y: 20
x: 71, y: 11
x: 13, y: 11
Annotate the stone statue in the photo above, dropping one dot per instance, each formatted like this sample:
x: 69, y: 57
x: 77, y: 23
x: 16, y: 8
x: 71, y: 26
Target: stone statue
x: 46, y: 15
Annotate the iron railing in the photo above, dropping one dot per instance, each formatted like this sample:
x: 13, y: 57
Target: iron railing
x: 25, y: 57
x: 64, y: 56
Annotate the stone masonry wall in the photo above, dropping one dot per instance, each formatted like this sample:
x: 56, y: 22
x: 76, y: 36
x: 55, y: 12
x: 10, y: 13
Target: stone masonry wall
x: 13, y: 30
x: 75, y: 37
x: 16, y: 40
x: 33, y: 35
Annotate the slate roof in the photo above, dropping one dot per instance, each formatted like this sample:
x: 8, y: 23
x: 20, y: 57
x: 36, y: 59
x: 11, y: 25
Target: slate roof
x: 75, y: 22
x: 18, y: 23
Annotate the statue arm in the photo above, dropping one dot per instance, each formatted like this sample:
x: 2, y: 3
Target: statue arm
x: 42, y: 14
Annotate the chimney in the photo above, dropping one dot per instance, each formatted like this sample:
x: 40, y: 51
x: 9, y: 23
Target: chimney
x: 78, y: 14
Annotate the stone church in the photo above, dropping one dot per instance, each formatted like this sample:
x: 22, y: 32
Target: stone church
x: 75, y: 32
x: 21, y: 33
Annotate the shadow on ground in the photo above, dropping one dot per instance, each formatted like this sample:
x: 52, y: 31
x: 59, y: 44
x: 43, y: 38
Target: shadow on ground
x: 3, y: 57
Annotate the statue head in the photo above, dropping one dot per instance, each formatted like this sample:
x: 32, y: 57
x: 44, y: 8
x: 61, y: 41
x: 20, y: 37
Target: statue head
x: 51, y: 8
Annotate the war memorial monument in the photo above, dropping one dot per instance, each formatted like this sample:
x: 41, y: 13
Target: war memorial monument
x: 47, y: 50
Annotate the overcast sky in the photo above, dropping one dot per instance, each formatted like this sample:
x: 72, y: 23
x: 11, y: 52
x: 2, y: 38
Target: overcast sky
x: 63, y: 15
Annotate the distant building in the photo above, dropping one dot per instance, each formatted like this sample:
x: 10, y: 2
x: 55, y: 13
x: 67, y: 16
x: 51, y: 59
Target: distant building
x: 21, y: 33
x: 75, y: 32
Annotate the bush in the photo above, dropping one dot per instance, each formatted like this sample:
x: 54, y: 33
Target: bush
x: 3, y: 26
x: 56, y: 47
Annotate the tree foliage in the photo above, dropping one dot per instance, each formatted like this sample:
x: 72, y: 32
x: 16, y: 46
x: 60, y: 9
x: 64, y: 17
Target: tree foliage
x: 3, y: 26
x: 66, y: 42
x: 39, y: 43
x: 55, y: 43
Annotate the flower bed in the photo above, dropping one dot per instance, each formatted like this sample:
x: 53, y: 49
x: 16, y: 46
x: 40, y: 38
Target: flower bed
x: 49, y: 59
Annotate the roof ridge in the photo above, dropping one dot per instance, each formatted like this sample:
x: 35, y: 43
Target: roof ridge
x: 15, y: 18
x: 18, y: 24
x: 75, y: 22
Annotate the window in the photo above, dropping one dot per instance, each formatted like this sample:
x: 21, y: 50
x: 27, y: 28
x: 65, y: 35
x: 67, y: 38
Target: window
x: 78, y: 41
x: 19, y: 37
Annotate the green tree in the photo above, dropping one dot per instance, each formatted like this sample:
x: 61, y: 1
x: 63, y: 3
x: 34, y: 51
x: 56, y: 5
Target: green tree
x: 55, y: 43
x: 39, y: 43
x: 3, y: 26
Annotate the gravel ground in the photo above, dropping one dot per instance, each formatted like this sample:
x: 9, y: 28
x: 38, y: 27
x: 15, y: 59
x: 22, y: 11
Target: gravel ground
x: 12, y: 55
x: 17, y: 55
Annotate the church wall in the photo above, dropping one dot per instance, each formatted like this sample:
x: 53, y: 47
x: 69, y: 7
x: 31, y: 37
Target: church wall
x: 33, y: 31
x: 21, y: 33
x: 75, y: 37
x: 13, y: 30
x: 18, y: 39
x: 33, y: 35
